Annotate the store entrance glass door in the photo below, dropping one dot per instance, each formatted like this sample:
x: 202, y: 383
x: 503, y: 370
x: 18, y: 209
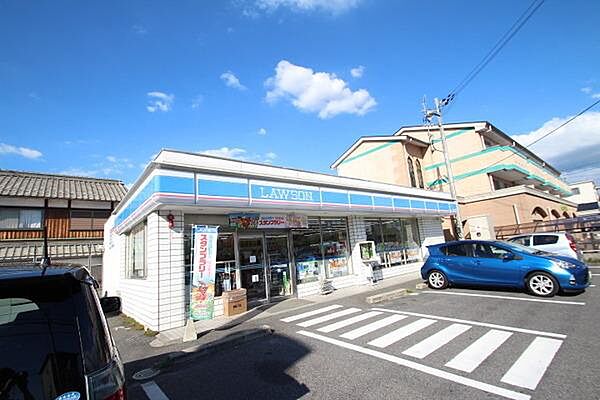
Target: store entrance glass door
x: 252, y: 267
x: 278, y: 266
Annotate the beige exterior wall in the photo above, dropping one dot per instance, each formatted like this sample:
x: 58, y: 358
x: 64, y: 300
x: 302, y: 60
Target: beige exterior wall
x: 502, y: 212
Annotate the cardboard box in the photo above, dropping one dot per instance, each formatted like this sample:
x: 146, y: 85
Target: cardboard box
x: 235, y: 307
x: 234, y: 302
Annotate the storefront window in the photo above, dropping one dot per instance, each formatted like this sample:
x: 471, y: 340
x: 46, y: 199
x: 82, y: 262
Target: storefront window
x: 135, y: 260
x: 396, y: 240
x: 335, y: 246
x: 307, y: 252
x: 225, y: 278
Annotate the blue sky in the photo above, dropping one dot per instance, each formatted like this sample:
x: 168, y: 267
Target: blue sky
x: 97, y: 88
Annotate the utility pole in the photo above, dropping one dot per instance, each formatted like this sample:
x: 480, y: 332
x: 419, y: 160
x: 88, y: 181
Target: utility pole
x: 437, y: 112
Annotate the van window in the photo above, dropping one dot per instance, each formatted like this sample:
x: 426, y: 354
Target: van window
x: 540, y: 240
x: 40, y: 351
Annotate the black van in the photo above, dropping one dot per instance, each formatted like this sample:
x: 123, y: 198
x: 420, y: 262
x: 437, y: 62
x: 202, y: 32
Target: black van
x: 54, y: 340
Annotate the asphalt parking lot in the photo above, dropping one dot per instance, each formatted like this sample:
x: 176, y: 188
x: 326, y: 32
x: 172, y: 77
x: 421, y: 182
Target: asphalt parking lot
x: 467, y: 343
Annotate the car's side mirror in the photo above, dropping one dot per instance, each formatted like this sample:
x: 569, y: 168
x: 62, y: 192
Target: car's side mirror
x: 110, y: 304
x: 508, y: 256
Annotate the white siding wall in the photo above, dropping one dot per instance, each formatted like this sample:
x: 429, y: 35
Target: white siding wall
x: 158, y: 301
x: 430, y: 231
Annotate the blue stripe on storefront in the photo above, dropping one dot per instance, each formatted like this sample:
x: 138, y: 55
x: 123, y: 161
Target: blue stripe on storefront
x: 401, y: 203
x: 444, y: 206
x: 334, y: 197
x: 430, y: 205
x: 360, y: 199
x: 417, y: 204
x: 379, y: 201
x: 222, y: 189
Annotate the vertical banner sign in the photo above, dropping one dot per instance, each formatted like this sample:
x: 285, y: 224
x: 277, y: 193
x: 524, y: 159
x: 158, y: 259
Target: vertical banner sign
x: 204, y: 260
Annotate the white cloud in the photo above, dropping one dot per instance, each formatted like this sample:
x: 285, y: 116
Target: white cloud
x: 262, y: 131
x: 319, y: 92
x: 159, y: 101
x: 111, y: 159
x: 232, y: 81
x: 227, y: 152
x: 331, y: 6
x: 34, y: 96
x: 197, y: 101
x: 270, y: 156
x: 358, y: 71
x: 573, y: 149
x: 230, y: 29
x: 586, y: 90
x: 79, y: 172
x: 596, y: 96
x: 20, y: 151
x: 139, y: 30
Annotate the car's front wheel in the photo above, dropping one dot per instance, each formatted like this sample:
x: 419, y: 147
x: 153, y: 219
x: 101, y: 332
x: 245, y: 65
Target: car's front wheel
x: 437, y: 280
x: 542, y: 284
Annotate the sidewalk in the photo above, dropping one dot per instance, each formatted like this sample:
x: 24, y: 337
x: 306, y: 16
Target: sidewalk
x: 174, y: 336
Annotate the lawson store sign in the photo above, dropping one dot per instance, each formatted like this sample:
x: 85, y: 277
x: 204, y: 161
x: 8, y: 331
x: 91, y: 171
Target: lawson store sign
x: 170, y: 187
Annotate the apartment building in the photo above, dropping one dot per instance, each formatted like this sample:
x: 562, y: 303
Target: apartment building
x: 498, y: 181
x: 585, y: 195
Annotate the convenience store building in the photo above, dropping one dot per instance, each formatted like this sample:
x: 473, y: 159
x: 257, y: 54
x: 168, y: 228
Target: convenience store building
x: 282, y: 232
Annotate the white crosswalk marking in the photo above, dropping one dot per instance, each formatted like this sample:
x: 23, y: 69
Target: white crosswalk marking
x: 435, y: 341
x: 528, y: 370
x: 401, y: 333
x: 373, y: 326
x: 328, y: 317
x: 311, y: 313
x: 341, y: 324
x: 478, y: 351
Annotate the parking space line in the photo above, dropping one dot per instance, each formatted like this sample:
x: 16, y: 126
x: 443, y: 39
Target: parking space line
x: 328, y: 317
x: 592, y: 286
x: 464, y: 321
x: 470, y: 358
x: 595, y: 274
x: 341, y: 324
x: 528, y: 370
x: 492, y: 296
x: 510, y: 394
x: 401, y: 333
x: 373, y: 326
x: 435, y: 341
x: 153, y: 391
x: 311, y: 313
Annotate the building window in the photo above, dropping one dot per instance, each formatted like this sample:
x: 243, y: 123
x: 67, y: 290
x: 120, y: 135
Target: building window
x: 575, y: 191
x: 335, y: 246
x: 20, y: 218
x: 307, y: 252
x: 420, y: 174
x: 225, y: 278
x: 88, y: 220
x: 396, y: 240
x: 411, y: 172
x: 135, y: 253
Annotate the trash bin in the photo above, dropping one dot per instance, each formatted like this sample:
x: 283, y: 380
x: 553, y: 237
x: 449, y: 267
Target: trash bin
x: 234, y: 302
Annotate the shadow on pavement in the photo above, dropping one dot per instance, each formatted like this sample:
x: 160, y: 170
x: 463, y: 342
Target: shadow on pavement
x: 500, y: 290
x: 261, y: 368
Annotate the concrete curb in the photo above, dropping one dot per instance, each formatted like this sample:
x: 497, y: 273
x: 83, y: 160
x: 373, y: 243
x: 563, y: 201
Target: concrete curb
x: 387, y: 296
x: 218, y: 345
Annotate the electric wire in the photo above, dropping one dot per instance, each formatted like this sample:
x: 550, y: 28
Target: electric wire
x: 500, y: 44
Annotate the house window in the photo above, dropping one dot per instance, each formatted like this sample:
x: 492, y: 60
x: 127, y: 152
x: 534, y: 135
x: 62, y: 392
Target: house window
x: 575, y: 191
x: 20, y: 218
x: 87, y: 220
x: 411, y: 173
x: 420, y: 174
x: 135, y: 253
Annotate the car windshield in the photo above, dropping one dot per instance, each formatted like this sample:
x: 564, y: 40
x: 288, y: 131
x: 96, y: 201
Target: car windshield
x: 520, y: 248
x: 40, y: 350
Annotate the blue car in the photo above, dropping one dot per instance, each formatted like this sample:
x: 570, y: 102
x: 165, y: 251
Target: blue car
x: 496, y: 263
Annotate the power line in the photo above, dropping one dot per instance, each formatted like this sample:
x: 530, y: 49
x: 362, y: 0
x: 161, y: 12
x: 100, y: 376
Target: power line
x: 502, y: 42
x: 545, y: 135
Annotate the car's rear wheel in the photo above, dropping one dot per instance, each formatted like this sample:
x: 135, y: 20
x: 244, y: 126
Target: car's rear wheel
x: 437, y: 280
x: 542, y: 284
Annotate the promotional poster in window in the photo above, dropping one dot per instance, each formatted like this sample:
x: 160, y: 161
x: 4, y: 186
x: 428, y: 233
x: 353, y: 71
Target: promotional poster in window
x: 204, y: 261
